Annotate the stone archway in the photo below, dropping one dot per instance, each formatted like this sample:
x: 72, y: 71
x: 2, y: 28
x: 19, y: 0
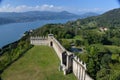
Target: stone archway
x: 51, y: 43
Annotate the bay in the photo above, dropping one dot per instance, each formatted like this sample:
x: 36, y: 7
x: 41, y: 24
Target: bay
x: 14, y: 31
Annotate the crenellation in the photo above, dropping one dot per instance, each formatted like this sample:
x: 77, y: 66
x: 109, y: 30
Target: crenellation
x: 75, y: 57
x: 81, y: 62
x: 68, y: 61
x: 78, y: 59
x: 85, y: 66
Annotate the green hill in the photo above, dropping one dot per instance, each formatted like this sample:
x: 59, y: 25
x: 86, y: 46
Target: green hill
x: 39, y: 63
x: 108, y: 19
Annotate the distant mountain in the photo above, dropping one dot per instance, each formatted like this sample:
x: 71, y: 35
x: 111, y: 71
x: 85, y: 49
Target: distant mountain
x: 12, y: 17
x: 89, y: 14
x: 8, y: 17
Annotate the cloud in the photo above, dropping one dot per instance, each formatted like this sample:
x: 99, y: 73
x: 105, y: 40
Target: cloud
x: 23, y: 8
x: 46, y: 7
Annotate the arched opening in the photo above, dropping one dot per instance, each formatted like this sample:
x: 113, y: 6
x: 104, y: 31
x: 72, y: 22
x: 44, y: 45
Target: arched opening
x: 64, y: 58
x: 51, y: 43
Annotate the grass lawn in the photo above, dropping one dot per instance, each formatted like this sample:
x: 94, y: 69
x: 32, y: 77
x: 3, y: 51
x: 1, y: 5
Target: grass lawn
x: 39, y: 63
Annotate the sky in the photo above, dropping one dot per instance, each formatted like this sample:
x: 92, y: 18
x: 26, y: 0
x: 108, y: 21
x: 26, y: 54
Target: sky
x: 73, y: 6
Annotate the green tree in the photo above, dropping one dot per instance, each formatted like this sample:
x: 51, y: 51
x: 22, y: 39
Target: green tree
x: 66, y: 44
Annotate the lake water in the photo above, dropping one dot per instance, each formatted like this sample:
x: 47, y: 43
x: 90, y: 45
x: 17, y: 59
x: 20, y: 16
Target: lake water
x: 14, y: 31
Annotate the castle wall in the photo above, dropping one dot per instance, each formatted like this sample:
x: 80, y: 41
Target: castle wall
x: 39, y: 41
x: 79, y: 70
x: 64, y: 56
x: 68, y: 61
x: 59, y: 49
x: 87, y: 77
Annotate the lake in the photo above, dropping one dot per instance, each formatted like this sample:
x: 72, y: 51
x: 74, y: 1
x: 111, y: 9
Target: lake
x: 14, y: 31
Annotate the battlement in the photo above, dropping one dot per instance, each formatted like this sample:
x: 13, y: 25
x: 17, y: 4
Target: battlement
x: 39, y: 40
x: 69, y: 62
x: 83, y: 64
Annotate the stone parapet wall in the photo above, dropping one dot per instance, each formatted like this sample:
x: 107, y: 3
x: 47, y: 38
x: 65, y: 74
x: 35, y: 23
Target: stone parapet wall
x: 58, y: 50
x: 61, y: 48
x: 79, y: 70
x: 39, y: 40
x: 69, y: 62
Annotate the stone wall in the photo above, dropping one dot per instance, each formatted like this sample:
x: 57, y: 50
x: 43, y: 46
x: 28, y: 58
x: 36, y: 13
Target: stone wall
x: 39, y: 40
x: 69, y: 63
x: 64, y: 56
x: 57, y: 47
x: 79, y: 70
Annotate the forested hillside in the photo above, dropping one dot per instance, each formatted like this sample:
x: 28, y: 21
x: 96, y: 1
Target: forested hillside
x: 13, y: 17
x: 13, y: 51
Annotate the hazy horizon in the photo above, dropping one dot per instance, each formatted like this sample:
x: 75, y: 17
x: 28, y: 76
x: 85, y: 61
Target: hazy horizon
x: 73, y: 6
